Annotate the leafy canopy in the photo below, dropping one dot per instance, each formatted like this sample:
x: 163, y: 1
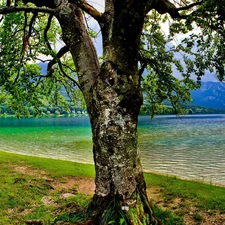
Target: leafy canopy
x: 186, y: 39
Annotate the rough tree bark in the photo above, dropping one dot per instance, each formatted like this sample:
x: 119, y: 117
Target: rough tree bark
x: 119, y: 178
x: 113, y: 96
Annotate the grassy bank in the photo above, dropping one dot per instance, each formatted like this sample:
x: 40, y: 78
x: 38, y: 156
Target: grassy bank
x: 47, y: 191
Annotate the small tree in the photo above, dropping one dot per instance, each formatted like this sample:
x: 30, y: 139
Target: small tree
x: 133, y: 42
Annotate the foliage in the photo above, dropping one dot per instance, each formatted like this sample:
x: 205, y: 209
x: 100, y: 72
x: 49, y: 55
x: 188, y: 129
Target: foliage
x: 24, y: 84
x: 191, y: 47
x: 210, y: 42
x: 158, y: 54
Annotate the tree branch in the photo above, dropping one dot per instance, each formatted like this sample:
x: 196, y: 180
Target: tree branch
x: 46, y: 32
x: 189, y: 6
x: 31, y: 23
x: 13, y: 9
x: 25, y: 42
x: 88, y: 9
x: 67, y: 76
x: 60, y: 53
x: 165, y: 6
x: 143, y: 67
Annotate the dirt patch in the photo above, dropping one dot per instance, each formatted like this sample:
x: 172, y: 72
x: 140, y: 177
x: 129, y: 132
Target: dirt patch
x: 82, y: 185
x: 86, y: 185
x: 29, y: 171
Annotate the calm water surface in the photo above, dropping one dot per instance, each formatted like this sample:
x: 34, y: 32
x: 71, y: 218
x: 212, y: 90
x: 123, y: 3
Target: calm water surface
x: 190, y: 147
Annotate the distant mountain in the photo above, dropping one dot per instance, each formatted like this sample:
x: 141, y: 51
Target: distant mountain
x: 210, y: 95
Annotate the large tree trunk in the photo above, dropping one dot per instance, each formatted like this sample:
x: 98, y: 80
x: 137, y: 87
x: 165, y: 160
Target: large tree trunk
x: 113, y: 96
x: 120, y: 187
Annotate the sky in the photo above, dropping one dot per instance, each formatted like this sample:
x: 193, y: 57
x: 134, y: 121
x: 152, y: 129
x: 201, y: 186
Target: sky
x: 99, y: 5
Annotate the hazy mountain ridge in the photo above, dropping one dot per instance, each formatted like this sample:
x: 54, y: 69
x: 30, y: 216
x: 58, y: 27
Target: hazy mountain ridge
x: 211, y: 95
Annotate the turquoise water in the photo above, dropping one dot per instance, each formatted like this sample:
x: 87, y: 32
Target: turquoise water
x: 59, y: 138
x: 190, y: 147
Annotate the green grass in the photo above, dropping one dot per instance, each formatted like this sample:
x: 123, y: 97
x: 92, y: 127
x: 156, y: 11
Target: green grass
x: 56, y: 168
x: 17, y: 194
x: 21, y: 194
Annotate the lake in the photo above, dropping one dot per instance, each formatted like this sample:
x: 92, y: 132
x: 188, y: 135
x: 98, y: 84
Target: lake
x: 191, y: 147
